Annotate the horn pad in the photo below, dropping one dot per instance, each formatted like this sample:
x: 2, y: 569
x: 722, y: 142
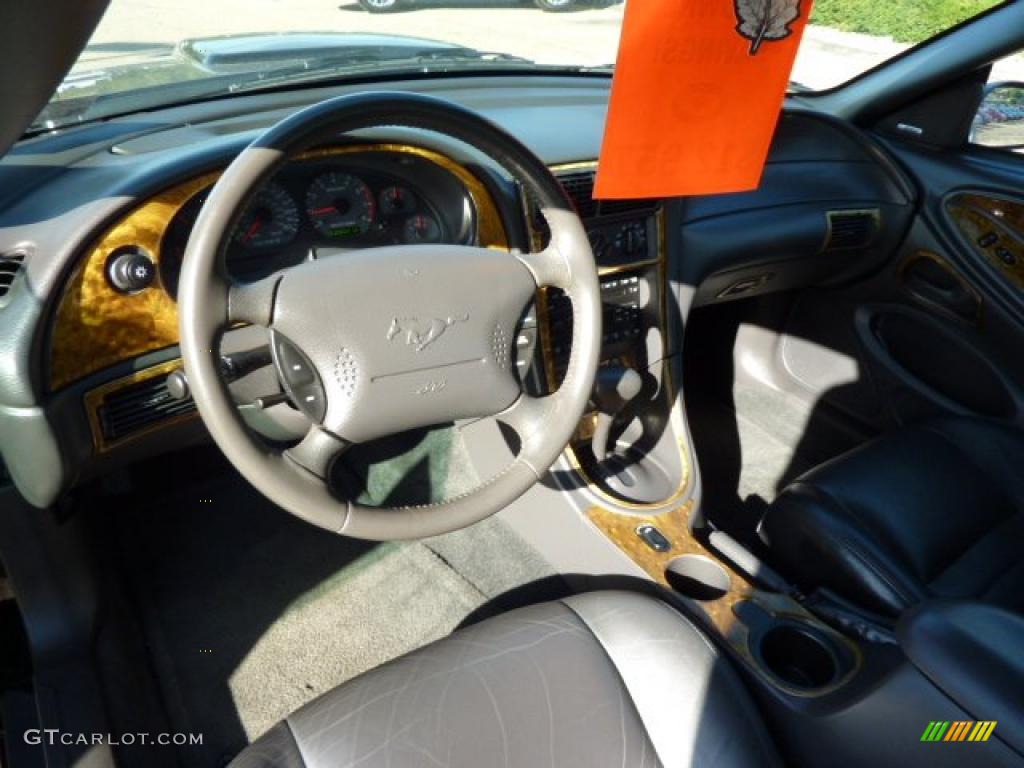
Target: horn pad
x: 406, y: 337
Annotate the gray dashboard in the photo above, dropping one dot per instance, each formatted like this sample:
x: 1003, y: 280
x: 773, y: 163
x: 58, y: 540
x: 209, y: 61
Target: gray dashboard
x: 58, y: 191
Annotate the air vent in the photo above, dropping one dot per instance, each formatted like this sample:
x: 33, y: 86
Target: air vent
x: 852, y: 229
x: 579, y: 186
x: 10, y: 266
x: 138, y: 406
x: 616, y: 207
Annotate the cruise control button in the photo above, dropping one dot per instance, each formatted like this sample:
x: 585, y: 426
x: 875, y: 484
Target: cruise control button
x: 295, y: 369
x: 526, y: 338
x: 300, y: 378
x: 311, y: 401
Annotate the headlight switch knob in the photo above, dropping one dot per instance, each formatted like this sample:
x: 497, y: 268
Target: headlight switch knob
x: 130, y: 270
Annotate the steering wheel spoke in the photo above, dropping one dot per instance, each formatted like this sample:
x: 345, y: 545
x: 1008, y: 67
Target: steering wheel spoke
x: 253, y: 303
x: 527, y: 416
x: 317, y: 451
x: 548, y: 267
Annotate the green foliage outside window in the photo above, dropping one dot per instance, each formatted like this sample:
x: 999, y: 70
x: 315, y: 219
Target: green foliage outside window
x: 907, y: 21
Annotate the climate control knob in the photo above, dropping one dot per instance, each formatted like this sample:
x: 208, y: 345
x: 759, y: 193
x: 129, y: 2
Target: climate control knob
x: 130, y: 270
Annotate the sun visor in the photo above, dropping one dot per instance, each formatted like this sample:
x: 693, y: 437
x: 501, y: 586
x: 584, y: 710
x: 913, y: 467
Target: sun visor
x: 696, y: 96
x: 39, y: 42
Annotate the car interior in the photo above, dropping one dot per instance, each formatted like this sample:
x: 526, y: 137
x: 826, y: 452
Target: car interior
x: 342, y: 425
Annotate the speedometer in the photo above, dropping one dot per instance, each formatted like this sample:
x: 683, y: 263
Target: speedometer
x: 340, y: 205
x: 270, y: 221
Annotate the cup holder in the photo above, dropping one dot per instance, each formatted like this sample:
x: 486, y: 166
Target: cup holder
x: 697, y: 577
x: 801, y: 655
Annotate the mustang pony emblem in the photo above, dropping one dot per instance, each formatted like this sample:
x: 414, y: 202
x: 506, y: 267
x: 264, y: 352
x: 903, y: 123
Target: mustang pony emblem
x: 420, y: 334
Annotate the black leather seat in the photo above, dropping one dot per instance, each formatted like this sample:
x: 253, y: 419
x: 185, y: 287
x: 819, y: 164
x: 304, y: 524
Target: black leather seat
x: 602, y: 679
x: 935, y: 510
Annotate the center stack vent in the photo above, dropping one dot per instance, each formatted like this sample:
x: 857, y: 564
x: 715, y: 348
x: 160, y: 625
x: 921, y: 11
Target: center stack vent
x: 579, y: 186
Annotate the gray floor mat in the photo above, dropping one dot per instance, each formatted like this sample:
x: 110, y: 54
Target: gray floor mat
x: 249, y: 613
x: 748, y: 452
x: 770, y: 425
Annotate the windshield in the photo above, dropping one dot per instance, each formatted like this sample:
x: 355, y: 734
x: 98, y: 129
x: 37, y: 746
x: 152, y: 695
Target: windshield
x: 150, y: 53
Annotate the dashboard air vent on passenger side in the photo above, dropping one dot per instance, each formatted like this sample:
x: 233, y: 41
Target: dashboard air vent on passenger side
x: 852, y: 229
x: 10, y: 266
x: 138, y: 406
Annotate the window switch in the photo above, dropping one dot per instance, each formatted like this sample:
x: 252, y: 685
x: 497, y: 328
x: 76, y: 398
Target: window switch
x: 653, y: 538
x: 988, y: 239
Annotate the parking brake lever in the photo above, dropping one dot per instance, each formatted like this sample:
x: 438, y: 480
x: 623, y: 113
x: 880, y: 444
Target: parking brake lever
x: 615, y: 387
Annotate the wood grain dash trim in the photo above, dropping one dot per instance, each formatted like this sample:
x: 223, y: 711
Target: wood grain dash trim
x: 95, y: 326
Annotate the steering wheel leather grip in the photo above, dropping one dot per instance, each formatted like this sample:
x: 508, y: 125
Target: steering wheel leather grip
x: 390, y: 338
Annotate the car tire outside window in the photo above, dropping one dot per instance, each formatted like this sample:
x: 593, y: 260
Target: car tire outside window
x: 379, y: 6
x: 554, y: 6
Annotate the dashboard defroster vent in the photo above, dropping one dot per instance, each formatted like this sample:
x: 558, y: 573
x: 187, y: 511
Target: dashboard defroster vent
x: 137, y: 406
x: 10, y: 266
x: 849, y: 230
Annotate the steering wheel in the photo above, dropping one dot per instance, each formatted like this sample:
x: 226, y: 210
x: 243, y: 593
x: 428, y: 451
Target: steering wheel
x: 383, y: 340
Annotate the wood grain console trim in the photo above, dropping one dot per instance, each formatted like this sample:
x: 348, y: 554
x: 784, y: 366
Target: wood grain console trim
x: 621, y: 529
x: 718, y: 614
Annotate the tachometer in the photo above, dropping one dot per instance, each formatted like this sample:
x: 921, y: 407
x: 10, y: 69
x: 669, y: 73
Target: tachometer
x: 340, y: 205
x: 270, y: 221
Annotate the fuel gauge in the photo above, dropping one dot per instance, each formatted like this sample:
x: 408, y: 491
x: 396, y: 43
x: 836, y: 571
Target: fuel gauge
x: 421, y: 228
x: 395, y: 201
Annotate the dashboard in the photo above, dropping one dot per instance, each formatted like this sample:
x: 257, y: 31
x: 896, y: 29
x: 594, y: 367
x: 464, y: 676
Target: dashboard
x: 120, y: 300
x: 85, y: 360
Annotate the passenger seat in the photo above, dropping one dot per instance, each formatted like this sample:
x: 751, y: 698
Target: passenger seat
x: 933, y: 510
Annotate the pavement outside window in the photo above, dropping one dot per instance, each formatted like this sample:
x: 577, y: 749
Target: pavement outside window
x: 588, y: 35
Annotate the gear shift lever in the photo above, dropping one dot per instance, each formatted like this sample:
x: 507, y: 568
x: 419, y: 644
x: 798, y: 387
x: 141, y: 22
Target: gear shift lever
x: 614, y: 388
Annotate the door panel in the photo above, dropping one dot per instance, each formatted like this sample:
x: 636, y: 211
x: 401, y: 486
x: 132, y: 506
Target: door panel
x: 940, y: 327
x: 948, y: 336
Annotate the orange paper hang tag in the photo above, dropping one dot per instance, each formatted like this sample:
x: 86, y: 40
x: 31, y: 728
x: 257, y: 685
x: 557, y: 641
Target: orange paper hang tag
x: 696, y: 96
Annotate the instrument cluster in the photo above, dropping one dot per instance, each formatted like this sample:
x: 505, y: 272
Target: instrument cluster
x: 330, y: 205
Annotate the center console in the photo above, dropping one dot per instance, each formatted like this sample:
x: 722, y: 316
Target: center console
x: 622, y: 448
x: 828, y: 674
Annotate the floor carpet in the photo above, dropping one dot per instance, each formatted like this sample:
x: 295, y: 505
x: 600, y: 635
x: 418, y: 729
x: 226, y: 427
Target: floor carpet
x: 248, y: 613
x: 753, y: 447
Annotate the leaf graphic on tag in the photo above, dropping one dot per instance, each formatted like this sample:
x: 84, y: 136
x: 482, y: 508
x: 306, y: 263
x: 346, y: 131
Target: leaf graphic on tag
x: 761, y: 20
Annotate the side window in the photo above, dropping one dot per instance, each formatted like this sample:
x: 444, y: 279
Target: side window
x: 1000, y: 120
